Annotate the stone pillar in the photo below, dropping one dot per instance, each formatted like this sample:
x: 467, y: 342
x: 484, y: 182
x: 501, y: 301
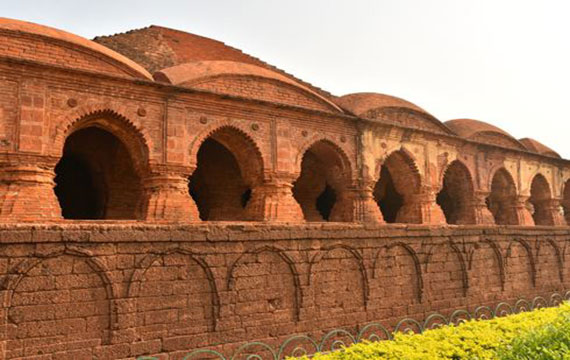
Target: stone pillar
x: 344, y: 208
x: 550, y: 212
x: 167, y: 198
x: 483, y: 215
x: 366, y: 209
x: 26, y: 193
x: 273, y: 201
x: 523, y: 215
x: 421, y: 208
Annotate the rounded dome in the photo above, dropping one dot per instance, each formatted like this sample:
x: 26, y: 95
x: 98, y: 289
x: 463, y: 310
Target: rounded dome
x: 539, y: 148
x: 194, y: 74
x: 483, y: 132
x: 49, y: 45
x: 391, y: 109
x: 360, y: 103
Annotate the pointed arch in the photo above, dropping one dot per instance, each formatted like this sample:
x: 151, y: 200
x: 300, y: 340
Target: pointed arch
x: 566, y: 200
x: 486, y: 271
x: 417, y: 277
x: 236, y: 139
x: 541, y: 200
x: 269, y: 275
x: 546, y: 268
x: 54, y: 278
x: 178, y: 261
x: 353, y: 254
x: 514, y: 260
x: 325, y: 177
x: 320, y: 138
x: 399, y: 180
x: 453, y: 255
x: 457, y: 194
x: 229, y: 166
x: 103, y: 161
x: 502, y: 198
x: 111, y: 119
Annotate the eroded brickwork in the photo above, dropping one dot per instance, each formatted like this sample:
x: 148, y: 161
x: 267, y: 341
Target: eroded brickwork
x: 220, y: 200
x: 121, y: 291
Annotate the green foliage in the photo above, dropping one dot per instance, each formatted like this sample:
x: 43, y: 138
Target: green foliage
x: 531, y: 335
x: 551, y: 342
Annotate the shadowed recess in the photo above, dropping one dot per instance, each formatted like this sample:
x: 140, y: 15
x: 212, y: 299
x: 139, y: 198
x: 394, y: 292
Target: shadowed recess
x: 95, y: 178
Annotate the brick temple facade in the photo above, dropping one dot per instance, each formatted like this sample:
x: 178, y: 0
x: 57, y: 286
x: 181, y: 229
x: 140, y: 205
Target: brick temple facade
x: 162, y: 192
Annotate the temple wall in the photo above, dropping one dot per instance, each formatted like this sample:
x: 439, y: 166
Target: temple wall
x: 126, y: 290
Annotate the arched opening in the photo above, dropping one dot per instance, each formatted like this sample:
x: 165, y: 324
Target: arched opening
x: 96, y: 177
x: 399, y: 181
x: 456, y: 195
x: 501, y: 201
x: 566, y: 201
x: 228, y: 167
x: 324, y: 177
x: 540, y: 197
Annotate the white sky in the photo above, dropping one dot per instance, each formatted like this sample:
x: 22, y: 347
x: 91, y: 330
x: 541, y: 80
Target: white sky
x: 506, y: 62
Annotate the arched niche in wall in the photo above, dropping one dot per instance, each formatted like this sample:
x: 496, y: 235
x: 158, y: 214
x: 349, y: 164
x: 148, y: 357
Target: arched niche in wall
x: 456, y: 195
x: 501, y: 200
x: 399, y: 181
x: 229, y: 165
x: 540, y: 198
x: 566, y: 201
x: 99, y: 173
x: 321, y: 187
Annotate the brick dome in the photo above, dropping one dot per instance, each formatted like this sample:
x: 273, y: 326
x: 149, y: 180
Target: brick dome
x: 388, y: 108
x: 539, y: 148
x: 44, y: 44
x: 483, y: 132
x: 360, y: 103
x: 196, y: 74
x: 158, y: 47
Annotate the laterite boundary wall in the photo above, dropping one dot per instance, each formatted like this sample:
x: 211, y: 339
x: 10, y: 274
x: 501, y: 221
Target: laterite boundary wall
x: 123, y: 290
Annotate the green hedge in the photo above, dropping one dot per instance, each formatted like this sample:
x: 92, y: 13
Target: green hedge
x: 539, y: 334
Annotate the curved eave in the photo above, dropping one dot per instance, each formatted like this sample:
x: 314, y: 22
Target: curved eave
x: 63, y: 37
x: 538, y: 147
x: 200, y: 71
x: 422, y: 114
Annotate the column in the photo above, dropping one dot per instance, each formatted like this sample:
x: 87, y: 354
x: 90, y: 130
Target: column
x: 483, y: 215
x: 272, y: 201
x: 366, y: 209
x: 549, y: 211
x: 523, y: 215
x: 26, y: 193
x: 421, y: 208
x: 166, y: 196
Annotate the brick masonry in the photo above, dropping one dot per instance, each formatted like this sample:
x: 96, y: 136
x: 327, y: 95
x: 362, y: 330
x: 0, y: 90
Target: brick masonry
x: 204, y: 198
x: 120, y: 291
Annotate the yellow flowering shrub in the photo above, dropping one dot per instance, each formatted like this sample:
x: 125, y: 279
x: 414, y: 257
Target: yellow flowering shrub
x: 474, y: 339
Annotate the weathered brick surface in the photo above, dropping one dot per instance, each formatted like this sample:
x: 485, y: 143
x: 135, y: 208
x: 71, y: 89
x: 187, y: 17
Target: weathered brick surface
x: 126, y: 290
x: 244, y: 204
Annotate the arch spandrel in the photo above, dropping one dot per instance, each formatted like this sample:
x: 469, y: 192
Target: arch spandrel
x: 240, y: 133
x: 412, y: 160
x: 347, y: 162
x: 117, y: 120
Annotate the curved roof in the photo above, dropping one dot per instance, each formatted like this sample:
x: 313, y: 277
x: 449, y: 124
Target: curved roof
x: 359, y: 103
x: 483, y: 132
x: 368, y: 105
x: 158, y: 47
x: 468, y: 127
x: 539, y: 148
x: 18, y: 26
x: 198, y: 71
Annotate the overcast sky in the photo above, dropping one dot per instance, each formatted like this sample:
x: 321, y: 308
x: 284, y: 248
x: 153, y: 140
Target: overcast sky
x: 506, y: 62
